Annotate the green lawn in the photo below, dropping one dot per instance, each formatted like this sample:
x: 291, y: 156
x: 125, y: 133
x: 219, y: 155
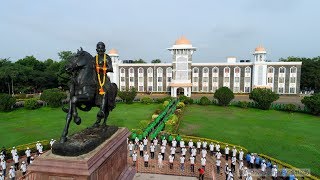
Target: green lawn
x: 25, y: 126
x: 292, y: 138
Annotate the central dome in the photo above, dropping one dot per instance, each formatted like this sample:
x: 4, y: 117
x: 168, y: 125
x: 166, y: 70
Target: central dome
x: 182, y: 41
x: 260, y: 48
x: 113, y: 51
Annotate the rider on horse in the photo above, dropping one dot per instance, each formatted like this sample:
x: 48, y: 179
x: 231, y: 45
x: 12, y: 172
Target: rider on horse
x: 103, y: 66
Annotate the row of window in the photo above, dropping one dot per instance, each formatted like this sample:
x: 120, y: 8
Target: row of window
x: 215, y: 70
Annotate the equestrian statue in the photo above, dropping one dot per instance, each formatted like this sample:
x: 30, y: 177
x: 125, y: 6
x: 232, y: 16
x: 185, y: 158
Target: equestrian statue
x: 90, y: 87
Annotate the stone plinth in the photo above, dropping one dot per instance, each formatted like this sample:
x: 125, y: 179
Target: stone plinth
x: 107, y: 162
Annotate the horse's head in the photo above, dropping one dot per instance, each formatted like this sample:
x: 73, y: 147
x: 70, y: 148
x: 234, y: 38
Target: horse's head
x: 78, y: 60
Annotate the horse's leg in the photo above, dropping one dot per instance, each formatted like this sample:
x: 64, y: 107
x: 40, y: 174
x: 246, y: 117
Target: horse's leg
x: 66, y: 128
x: 101, y: 114
x: 105, y: 117
x: 76, y: 119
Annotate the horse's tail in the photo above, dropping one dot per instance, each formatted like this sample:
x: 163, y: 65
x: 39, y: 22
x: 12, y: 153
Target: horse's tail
x: 112, y: 96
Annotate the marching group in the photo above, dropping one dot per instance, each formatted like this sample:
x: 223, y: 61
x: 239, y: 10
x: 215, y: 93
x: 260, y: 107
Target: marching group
x: 14, y: 167
x: 181, y: 152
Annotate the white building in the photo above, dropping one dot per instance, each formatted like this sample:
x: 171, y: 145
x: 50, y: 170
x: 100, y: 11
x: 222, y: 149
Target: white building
x: 182, y: 76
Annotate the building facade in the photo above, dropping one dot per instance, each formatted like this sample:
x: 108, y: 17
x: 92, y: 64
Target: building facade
x: 182, y: 76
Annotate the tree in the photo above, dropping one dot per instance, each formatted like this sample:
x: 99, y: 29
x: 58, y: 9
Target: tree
x: 224, y: 95
x: 65, y: 55
x: 128, y: 95
x: 312, y: 103
x: 63, y: 77
x: 139, y: 61
x: 6, y: 102
x: 263, y: 97
x: 156, y: 61
x: 310, y: 72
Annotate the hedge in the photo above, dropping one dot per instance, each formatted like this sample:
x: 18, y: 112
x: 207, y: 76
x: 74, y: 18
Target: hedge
x: 22, y: 148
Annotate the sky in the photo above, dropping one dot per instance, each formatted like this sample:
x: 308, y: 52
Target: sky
x: 145, y: 28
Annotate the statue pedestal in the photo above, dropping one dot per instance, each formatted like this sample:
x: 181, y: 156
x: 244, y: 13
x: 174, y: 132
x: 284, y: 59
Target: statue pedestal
x: 107, y: 161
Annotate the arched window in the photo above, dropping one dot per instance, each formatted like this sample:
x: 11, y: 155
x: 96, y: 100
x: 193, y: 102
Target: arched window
x: 215, y: 70
x: 282, y: 70
x: 248, y: 70
x: 205, y: 70
x: 159, y: 70
x: 122, y: 70
x: 195, y: 70
x: 131, y: 70
x: 270, y: 69
x: 226, y: 70
x: 293, y: 70
x: 140, y: 70
x: 169, y: 70
x: 150, y: 70
x: 237, y: 70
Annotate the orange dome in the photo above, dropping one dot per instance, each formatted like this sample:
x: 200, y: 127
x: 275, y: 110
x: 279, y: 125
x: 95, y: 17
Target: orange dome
x: 113, y: 51
x: 260, y: 48
x: 182, y: 40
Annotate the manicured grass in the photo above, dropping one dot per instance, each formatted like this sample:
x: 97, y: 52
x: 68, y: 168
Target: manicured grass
x: 292, y: 138
x: 25, y: 126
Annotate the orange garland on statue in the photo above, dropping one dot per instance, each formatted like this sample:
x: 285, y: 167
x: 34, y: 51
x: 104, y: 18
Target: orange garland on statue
x: 104, y: 68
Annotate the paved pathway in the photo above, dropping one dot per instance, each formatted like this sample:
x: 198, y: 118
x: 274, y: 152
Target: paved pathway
x: 153, y: 167
x: 144, y: 176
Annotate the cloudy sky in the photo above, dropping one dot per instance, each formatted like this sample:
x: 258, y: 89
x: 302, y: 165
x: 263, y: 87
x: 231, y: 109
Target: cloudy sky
x: 145, y: 28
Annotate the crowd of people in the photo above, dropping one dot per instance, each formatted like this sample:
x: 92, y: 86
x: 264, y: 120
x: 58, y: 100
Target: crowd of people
x: 177, y: 151
x: 14, y: 163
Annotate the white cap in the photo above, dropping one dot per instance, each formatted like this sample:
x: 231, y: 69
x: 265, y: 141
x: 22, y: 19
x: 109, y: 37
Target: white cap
x: 13, y: 147
x: 51, y: 139
x: 274, y: 166
x: 227, y: 145
x: 23, y: 162
x: 226, y: 164
x: 27, y: 147
x: 11, y: 167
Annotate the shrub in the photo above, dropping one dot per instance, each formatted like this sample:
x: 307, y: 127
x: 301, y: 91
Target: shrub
x: 161, y: 100
x: 146, y: 100
x: 31, y: 104
x: 180, y: 105
x: 263, y: 97
x: 157, y: 111
x: 290, y: 107
x: 178, y: 112
x: 224, y: 96
x: 6, y: 102
x: 154, y: 116
x: 20, y: 96
x: 185, y: 99
x: 204, y: 101
x: 165, y: 103
x: 143, y: 124
x: 312, y: 103
x: 243, y: 104
x: 53, y: 97
x: 128, y: 95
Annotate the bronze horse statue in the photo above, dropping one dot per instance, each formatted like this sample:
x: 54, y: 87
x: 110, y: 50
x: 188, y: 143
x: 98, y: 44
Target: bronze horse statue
x: 84, y: 91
